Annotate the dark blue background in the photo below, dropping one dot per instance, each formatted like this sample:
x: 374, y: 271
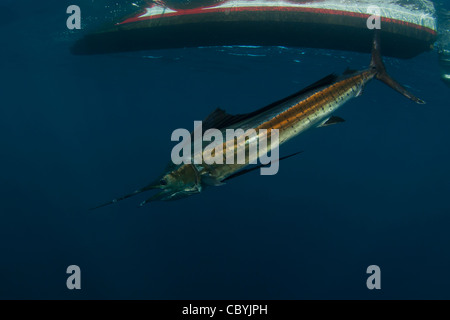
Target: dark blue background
x: 78, y: 131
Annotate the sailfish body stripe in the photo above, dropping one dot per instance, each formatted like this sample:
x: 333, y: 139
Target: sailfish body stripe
x: 310, y: 111
x: 294, y: 116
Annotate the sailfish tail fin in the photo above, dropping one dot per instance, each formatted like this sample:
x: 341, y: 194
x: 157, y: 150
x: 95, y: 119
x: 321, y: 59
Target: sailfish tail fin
x: 381, y: 73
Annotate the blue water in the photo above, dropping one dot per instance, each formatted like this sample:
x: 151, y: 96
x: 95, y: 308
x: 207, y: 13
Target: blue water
x: 80, y: 130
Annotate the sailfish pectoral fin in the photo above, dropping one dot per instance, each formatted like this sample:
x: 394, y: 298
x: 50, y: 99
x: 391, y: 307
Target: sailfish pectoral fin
x: 143, y: 203
x: 211, y: 181
x: 244, y: 171
x: 159, y: 196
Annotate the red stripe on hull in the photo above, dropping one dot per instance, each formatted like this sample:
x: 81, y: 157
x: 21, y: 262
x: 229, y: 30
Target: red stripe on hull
x: 276, y: 9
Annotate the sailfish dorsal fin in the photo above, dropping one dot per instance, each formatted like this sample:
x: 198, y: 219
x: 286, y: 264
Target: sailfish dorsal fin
x: 325, y: 81
x: 349, y: 71
x: 220, y: 119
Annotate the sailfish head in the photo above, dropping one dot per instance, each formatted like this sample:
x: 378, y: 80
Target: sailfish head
x: 175, y: 183
x: 179, y: 182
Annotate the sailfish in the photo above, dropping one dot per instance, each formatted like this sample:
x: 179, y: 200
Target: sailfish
x: 310, y: 107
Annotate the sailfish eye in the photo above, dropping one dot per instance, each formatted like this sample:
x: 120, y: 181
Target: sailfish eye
x: 163, y: 182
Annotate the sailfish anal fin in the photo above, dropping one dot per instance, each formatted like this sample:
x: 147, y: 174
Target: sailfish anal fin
x: 331, y: 120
